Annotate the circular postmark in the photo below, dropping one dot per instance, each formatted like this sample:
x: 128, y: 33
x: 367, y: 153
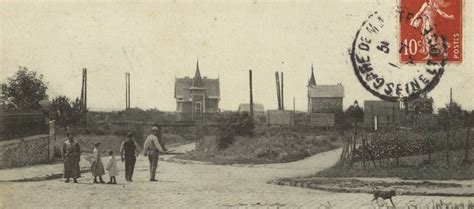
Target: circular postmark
x: 375, y: 59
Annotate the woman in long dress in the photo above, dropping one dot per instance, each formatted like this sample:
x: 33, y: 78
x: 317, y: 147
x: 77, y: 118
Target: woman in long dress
x: 71, y: 155
x: 97, y: 167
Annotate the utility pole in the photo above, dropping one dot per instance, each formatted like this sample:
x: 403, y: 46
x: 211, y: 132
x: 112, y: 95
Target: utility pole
x: 278, y: 90
x: 127, y: 91
x: 294, y: 104
x: 84, y: 95
x: 450, y: 95
x: 251, y: 93
x: 282, y: 98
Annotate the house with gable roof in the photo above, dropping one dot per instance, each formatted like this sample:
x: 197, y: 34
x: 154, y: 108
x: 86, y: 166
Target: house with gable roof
x: 324, y: 98
x: 197, y: 95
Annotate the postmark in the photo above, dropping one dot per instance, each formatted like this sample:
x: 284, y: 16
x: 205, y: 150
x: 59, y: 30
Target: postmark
x: 424, y: 23
x: 375, y: 58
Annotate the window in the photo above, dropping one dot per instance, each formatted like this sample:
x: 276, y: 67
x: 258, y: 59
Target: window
x: 197, y: 107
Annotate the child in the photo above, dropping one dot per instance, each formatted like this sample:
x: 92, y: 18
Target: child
x: 97, y: 167
x: 112, y: 168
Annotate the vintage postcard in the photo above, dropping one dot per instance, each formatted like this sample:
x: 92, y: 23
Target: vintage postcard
x: 237, y: 104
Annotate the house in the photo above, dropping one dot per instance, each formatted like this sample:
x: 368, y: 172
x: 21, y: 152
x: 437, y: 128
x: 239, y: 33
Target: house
x: 197, y: 95
x: 258, y: 109
x: 324, y: 98
x: 382, y: 114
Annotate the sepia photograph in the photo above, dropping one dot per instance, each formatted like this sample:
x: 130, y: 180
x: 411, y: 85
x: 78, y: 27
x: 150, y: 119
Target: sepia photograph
x: 321, y: 104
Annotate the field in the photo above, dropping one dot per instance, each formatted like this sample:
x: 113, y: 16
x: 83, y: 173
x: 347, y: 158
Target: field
x: 412, y: 167
x: 263, y: 149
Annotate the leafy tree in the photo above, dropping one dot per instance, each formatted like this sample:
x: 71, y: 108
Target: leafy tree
x: 77, y: 111
x: 236, y: 124
x: 24, y: 90
x: 61, y: 110
x: 418, y: 107
x: 354, y: 113
x: 421, y: 105
x: 450, y: 117
x: 65, y: 111
x: 468, y: 123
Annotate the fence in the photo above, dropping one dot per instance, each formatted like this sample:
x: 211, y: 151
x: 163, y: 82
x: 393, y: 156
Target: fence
x: 18, y: 125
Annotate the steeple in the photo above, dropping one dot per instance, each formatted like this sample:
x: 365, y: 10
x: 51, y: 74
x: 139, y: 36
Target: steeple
x: 312, y: 81
x: 197, y: 80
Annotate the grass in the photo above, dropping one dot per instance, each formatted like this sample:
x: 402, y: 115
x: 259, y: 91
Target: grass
x: 412, y: 167
x: 263, y: 149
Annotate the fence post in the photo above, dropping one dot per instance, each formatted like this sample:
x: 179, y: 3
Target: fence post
x: 51, y: 140
x: 363, y: 150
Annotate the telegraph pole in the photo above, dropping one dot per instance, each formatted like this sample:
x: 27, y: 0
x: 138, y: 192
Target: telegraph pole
x: 127, y: 91
x: 282, y: 98
x: 84, y: 95
x: 251, y: 93
x: 278, y: 90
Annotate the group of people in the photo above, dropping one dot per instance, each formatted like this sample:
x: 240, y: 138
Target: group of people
x: 129, y: 150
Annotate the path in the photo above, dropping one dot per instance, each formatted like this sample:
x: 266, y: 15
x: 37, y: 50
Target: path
x: 197, y: 186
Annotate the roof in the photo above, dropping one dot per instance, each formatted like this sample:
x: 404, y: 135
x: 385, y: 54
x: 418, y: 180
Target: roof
x: 197, y: 80
x: 245, y: 107
x: 312, y: 81
x: 182, y: 86
x: 326, y: 91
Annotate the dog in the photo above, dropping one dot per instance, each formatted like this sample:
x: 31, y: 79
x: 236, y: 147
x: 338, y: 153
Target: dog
x: 385, y: 195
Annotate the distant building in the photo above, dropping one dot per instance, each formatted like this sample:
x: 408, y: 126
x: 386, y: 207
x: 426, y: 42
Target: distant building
x: 197, y: 95
x: 324, y: 98
x: 382, y: 114
x: 258, y: 109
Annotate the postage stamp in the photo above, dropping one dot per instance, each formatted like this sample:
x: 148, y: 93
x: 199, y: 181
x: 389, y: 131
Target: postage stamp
x: 374, y: 58
x: 424, y: 24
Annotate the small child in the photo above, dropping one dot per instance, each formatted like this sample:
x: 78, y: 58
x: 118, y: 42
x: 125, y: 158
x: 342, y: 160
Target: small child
x: 112, y: 168
x: 97, y: 168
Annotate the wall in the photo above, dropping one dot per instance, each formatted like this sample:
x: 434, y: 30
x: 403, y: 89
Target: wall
x: 212, y: 105
x: 280, y: 117
x: 326, y: 104
x: 24, y: 151
x: 388, y: 114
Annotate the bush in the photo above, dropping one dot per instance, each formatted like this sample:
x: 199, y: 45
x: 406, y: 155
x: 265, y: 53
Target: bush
x: 235, y: 124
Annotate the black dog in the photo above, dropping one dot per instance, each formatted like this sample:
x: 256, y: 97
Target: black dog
x: 385, y: 195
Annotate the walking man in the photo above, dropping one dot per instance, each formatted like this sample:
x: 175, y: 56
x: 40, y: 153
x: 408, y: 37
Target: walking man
x: 128, y: 152
x: 151, y: 148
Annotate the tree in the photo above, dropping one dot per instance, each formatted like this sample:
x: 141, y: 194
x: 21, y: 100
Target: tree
x: 65, y: 112
x: 77, y: 111
x: 61, y: 110
x: 24, y: 90
x: 354, y: 114
x: 468, y: 123
x: 422, y: 105
x: 450, y: 117
x: 236, y: 124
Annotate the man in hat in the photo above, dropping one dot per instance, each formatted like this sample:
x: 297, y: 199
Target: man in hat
x: 71, y: 155
x: 151, y: 148
x: 128, y: 152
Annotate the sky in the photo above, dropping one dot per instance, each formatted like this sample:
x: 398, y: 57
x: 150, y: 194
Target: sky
x: 157, y: 41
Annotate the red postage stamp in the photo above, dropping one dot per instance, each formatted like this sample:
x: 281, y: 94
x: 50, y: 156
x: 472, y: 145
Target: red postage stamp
x: 425, y: 25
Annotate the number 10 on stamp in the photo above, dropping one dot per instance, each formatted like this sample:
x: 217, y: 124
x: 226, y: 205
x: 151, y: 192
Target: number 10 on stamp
x: 425, y: 25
